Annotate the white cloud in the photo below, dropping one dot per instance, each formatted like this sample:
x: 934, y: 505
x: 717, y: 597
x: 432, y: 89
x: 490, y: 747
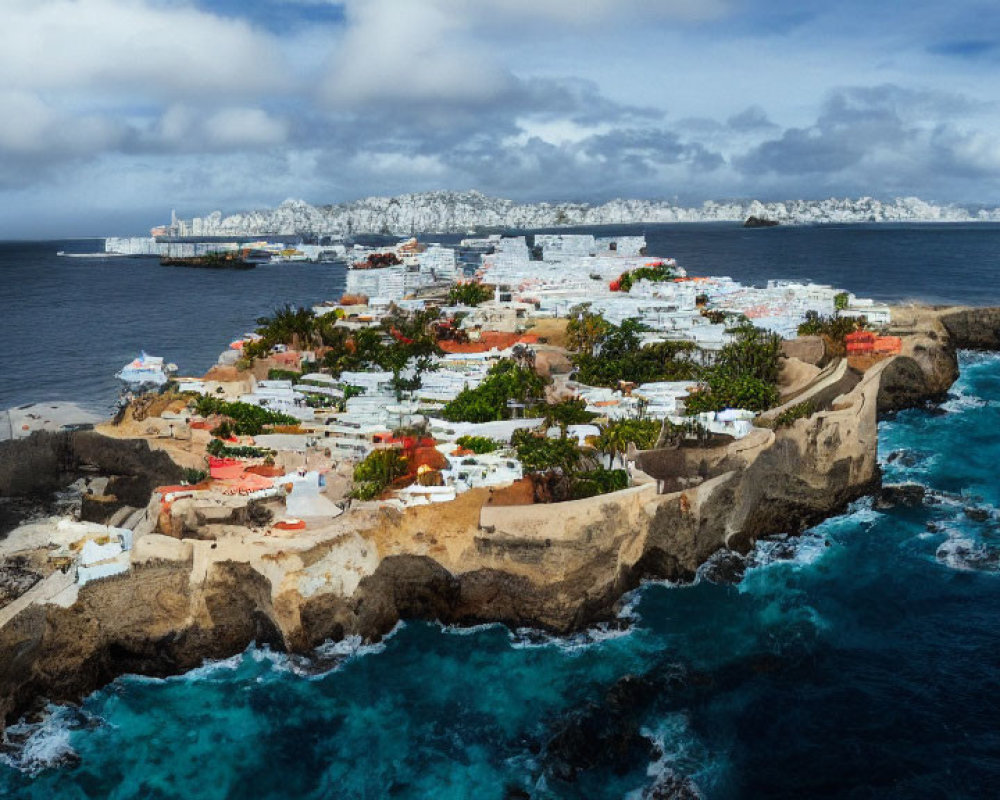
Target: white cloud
x: 243, y: 127
x: 189, y: 129
x: 137, y: 45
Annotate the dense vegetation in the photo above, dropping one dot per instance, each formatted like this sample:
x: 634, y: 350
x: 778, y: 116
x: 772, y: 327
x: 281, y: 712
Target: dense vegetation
x: 377, y: 472
x: 478, y: 444
x: 572, y: 411
x: 192, y: 476
x: 470, y: 293
x: 295, y: 327
x: 607, y: 354
x: 556, y: 465
x: 616, y: 436
x: 243, y: 419
x: 283, y: 375
x: 220, y: 449
x: 834, y: 327
x: 789, y: 415
x: 655, y: 274
x: 506, y: 381
x: 539, y: 453
x: 743, y: 375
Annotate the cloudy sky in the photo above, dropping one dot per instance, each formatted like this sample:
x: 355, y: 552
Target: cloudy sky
x: 116, y: 111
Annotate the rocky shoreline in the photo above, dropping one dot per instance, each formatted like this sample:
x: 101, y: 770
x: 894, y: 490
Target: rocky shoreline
x: 560, y: 568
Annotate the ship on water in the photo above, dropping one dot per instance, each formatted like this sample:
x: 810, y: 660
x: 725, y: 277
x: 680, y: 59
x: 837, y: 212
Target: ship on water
x: 216, y: 260
x: 146, y: 370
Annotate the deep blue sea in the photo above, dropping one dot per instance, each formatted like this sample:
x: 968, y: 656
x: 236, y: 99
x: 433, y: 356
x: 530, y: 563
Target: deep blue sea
x: 69, y: 324
x: 860, y: 660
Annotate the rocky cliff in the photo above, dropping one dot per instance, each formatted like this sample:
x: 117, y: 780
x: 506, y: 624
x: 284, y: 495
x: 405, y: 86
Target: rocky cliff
x: 559, y: 567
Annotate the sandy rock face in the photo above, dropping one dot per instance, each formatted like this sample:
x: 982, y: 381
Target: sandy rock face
x: 148, y: 621
x: 559, y: 567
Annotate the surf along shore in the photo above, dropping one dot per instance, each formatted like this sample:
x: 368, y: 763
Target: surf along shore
x: 204, y: 580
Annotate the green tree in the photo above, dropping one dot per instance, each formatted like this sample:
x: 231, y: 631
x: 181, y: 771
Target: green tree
x: 619, y: 355
x: 488, y: 402
x: 616, y: 436
x: 377, y: 472
x: 585, y: 330
x: 478, y: 444
x: 743, y: 375
x: 572, y: 411
x: 469, y: 293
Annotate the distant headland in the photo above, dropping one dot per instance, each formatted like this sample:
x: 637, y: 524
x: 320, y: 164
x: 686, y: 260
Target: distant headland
x: 462, y: 212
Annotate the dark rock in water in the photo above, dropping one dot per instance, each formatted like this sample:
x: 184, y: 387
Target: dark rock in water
x: 603, y: 734
x: 906, y: 458
x: 900, y: 494
x: 760, y: 222
x: 607, y: 734
x: 672, y: 786
x: 977, y: 514
x: 724, y: 568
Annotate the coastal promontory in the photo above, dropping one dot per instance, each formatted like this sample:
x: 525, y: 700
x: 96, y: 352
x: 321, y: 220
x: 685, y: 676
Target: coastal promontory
x: 206, y: 580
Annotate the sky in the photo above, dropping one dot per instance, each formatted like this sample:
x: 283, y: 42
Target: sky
x: 117, y: 111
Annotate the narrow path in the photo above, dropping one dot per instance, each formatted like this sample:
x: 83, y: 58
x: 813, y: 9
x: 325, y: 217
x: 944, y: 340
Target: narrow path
x: 41, y: 593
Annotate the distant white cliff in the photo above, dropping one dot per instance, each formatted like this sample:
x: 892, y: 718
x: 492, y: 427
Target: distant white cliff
x: 458, y: 212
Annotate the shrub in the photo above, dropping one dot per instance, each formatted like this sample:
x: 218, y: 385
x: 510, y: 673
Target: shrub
x: 598, y: 481
x: 478, y: 444
x: 789, y: 415
x: 220, y: 449
x: 283, y: 375
x: 622, y: 357
x: 224, y: 430
x: 506, y: 381
x: 656, y: 274
x: 374, y: 475
x: 471, y: 293
x: 193, y: 476
x: 834, y: 328
x: 541, y: 454
x: 616, y: 436
x: 245, y: 419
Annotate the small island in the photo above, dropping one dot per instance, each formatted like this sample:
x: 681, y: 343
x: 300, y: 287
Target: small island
x: 760, y: 222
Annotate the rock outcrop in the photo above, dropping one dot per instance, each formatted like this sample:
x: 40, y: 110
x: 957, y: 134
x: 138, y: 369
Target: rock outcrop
x: 559, y: 567
x: 37, y: 466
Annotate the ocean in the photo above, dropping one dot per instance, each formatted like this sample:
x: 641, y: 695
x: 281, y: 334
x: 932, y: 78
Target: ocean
x: 861, y: 659
x: 70, y: 324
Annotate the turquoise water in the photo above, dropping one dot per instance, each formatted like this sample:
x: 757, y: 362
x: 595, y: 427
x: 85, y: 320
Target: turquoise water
x: 859, y: 660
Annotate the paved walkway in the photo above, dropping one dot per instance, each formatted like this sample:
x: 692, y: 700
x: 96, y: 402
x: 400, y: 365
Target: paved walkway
x: 41, y: 593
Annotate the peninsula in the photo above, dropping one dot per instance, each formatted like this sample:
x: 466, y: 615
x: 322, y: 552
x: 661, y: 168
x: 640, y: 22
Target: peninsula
x: 524, y: 444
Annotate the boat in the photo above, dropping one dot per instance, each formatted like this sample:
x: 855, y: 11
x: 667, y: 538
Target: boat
x: 209, y: 261
x: 146, y: 370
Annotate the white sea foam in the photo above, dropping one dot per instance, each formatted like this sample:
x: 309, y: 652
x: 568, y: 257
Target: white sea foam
x: 324, y: 659
x: 680, y: 755
x: 959, y: 400
x: 470, y: 630
x: 528, y: 638
x: 965, y: 553
x: 36, y: 746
